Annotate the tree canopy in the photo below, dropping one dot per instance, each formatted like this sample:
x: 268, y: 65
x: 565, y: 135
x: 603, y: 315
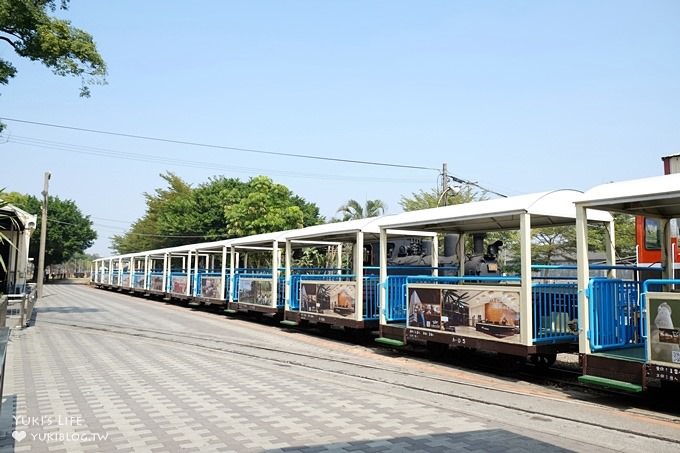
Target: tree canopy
x: 221, y: 208
x: 69, y: 232
x: 28, y: 29
x: 262, y: 206
x: 432, y: 198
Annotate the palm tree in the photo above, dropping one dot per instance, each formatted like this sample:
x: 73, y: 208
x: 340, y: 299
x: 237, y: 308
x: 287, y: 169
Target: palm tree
x: 354, y: 210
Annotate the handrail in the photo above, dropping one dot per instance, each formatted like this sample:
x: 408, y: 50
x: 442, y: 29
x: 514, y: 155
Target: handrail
x: 466, y: 278
x: 658, y: 281
x: 605, y: 267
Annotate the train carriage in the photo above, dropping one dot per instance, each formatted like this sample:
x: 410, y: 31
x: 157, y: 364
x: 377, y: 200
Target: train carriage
x: 179, y: 273
x: 341, y: 296
x: 630, y: 329
x: 482, y: 308
x: 256, y: 276
x: 625, y: 325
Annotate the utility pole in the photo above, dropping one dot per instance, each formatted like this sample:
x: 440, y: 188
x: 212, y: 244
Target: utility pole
x: 445, y: 183
x: 43, y: 236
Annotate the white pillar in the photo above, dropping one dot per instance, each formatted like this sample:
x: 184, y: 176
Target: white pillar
x: 610, y: 247
x: 288, y: 273
x: 435, y: 255
x: 383, y: 276
x: 232, y: 270
x: 461, y: 254
x: 275, y: 272
x: 147, y: 261
x: 583, y: 278
x: 195, y: 279
x: 187, y: 265
x: 359, y: 272
x: 165, y: 273
x: 223, y: 278
x: 525, y: 292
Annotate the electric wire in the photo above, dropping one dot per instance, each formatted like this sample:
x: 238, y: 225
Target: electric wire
x: 208, y: 145
x: 88, y: 150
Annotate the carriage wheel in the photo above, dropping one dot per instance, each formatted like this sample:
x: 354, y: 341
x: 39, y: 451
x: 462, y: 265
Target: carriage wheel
x: 543, y: 360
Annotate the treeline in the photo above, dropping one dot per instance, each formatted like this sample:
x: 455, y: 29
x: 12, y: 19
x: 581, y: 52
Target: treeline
x: 221, y: 208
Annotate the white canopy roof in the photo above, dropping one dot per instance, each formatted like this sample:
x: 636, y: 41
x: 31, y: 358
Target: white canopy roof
x: 546, y: 209
x: 339, y: 231
x: 261, y: 240
x: 180, y: 249
x: 657, y: 196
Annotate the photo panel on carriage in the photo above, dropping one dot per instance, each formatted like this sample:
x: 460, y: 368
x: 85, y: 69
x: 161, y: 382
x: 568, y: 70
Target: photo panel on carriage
x: 663, y: 320
x: 334, y: 299
x: 255, y: 291
x: 211, y: 287
x: 466, y: 310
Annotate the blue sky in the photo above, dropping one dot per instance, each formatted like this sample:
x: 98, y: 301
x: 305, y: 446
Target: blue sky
x: 519, y: 96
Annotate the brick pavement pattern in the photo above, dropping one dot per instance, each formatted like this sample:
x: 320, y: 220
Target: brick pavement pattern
x: 79, y: 389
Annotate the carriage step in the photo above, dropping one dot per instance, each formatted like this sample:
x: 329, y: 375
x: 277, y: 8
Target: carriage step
x: 610, y: 383
x: 390, y: 342
x: 286, y: 322
x: 230, y: 311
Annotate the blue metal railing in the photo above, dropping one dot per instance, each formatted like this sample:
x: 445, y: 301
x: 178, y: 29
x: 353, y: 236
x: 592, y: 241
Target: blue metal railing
x: 658, y: 283
x: 555, y: 312
x: 615, y: 314
x: 371, y: 307
x: 396, y: 305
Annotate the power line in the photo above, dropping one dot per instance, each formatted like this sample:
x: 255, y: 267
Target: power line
x: 474, y: 184
x: 207, y: 145
x: 93, y: 151
x: 111, y: 220
x: 169, y: 236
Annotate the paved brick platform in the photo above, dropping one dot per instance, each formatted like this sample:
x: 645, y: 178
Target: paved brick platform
x: 92, y: 388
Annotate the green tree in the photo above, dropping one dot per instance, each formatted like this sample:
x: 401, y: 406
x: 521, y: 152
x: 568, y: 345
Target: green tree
x: 433, y: 198
x: 218, y: 209
x: 155, y: 230
x: 68, y: 231
x: 200, y: 210
x: 262, y: 206
x: 354, y: 210
x: 28, y: 29
x: 625, y: 241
